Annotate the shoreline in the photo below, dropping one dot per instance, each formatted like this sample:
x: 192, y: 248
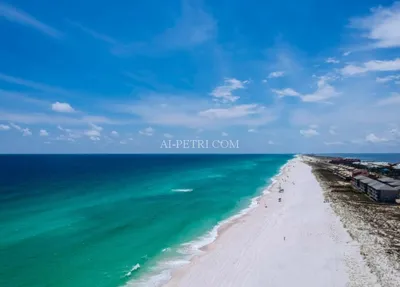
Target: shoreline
x: 202, y: 269
x: 164, y: 275
x: 373, y: 225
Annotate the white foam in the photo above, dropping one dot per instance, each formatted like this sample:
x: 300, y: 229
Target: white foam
x: 183, y: 190
x: 136, y: 267
x: 162, y: 272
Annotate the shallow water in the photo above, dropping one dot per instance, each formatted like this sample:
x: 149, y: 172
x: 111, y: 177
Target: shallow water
x: 106, y: 220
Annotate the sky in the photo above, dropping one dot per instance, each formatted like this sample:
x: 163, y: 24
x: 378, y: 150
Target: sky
x: 274, y: 76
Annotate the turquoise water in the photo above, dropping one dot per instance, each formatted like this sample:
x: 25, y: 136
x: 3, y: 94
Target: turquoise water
x: 78, y: 220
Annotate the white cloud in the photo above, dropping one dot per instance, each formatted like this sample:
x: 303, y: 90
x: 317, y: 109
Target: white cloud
x: 94, y: 138
x: 381, y: 27
x: 96, y: 127
x: 346, y: 53
x: 332, y: 130
x: 394, y: 99
x: 24, y: 131
x: 12, y: 14
x: 47, y: 142
x: 168, y: 136
x: 334, y: 143
x: 123, y: 142
x: 224, y: 134
x: 309, y: 133
x: 197, y: 113
x: 264, y: 81
x: 4, y: 127
x: 252, y: 130
x: 372, y: 66
x: 232, y: 112
x: 17, y: 127
x: 62, y: 107
x: 114, y: 133
x: 276, y: 74
x: 147, y: 131
x: 313, y: 126
x: 43, y: 133
x: 270, y: 142
x: 372, y: 138
x: 92, y: 133
x: 388, y: 78
x: 332, y: 61
x: 224, y: 94
x: 324, y: 92
x: 286, y: 92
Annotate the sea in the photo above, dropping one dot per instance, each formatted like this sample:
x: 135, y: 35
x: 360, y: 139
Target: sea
x: 118, y: 220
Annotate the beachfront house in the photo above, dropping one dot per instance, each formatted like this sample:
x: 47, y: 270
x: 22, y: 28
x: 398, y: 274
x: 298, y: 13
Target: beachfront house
x: 381, y: 192
x: 364, y: 184
x: 356, y: 181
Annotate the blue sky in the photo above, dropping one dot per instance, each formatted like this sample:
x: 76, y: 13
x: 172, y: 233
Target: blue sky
x: 279, y: 76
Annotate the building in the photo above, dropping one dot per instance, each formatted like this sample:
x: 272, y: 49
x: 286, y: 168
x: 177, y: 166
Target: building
x: 364, y: 184
x: 381, y: 192
x: 344, y: 160
x: 383, y: 189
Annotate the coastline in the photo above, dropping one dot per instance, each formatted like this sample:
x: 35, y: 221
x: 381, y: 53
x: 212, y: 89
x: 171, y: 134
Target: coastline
x: 373, y: 225
x: 167, y: 269
x: 262, y: 245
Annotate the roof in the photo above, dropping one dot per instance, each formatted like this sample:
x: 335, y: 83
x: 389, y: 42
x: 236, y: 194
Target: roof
x: 380, y: 186
x: 396, y: 182
x: 367, y: 180
x: 360, y: 177
x: 386, y: 179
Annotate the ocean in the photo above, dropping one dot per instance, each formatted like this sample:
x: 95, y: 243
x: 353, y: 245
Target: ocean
x: 117, y: 220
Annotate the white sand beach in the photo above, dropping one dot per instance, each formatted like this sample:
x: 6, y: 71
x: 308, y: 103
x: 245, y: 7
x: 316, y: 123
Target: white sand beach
x: 296, y: 242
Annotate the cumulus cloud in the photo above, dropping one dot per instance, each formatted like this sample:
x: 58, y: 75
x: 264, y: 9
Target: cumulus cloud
x: 276, y: 74
x: 372, y: 138
x: 4, y: 127
x: 224, y: 94
x: 324, y: 92
x: 96, y: 127
x: 309, y: 132
x: 169, y: 136
x: 286, y: 92
x: 62, y: 107
x: 114, y: 133
x: 147, y: 131
x: 381, y: 27
x: 224, y: 134
x: 92, y: 133
x: 372, y: 66
x: 24, y: 131
x: 43, y: 133
x: 332, y: 61
x: 252, y: 130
